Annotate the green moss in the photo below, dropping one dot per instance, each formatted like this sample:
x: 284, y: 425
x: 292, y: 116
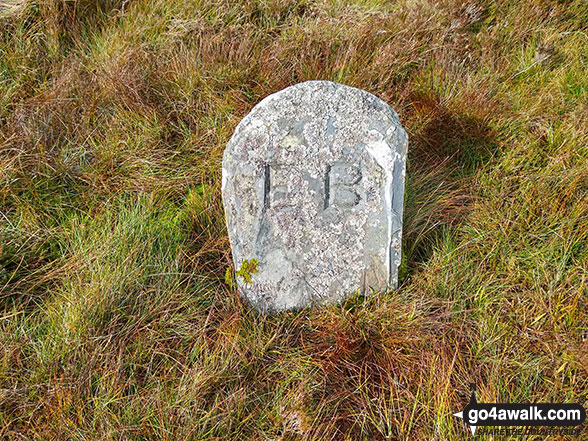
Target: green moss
x: 248, y: 267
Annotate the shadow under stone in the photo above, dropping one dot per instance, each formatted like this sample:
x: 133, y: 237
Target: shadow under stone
x: 446, y: 149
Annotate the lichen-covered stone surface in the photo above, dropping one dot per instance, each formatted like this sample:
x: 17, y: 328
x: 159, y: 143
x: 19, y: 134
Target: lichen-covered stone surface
x: 313, y: 186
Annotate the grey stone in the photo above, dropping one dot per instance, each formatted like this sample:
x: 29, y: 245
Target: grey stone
x: 313, y: 188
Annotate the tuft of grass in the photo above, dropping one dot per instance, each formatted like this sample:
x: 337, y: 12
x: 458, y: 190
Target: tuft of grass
x: 116, y: 321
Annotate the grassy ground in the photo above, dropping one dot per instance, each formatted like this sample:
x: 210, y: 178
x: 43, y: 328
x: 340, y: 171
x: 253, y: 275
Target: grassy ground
x: 115, y: 319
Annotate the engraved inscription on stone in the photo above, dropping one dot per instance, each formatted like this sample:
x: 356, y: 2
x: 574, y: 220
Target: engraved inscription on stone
x: 313, y: 187
x: 276, y: 186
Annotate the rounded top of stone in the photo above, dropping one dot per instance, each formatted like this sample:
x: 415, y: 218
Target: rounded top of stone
x: 319, y: 86
x: 326, y: 97
x: 323, y: 112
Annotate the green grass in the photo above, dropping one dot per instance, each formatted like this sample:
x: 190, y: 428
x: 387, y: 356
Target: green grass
x: 116, y: 321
